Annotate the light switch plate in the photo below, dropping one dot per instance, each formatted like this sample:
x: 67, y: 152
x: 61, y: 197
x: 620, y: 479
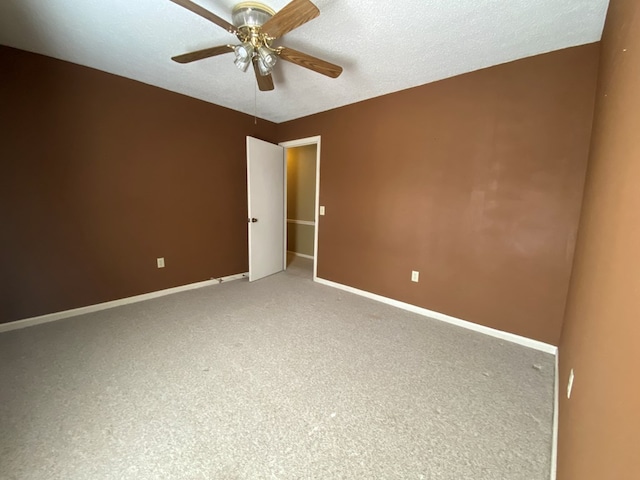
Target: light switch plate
x: 160, y: 261
x: 321, y: 209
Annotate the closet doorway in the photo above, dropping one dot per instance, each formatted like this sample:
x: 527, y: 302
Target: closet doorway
x: 302, y: 180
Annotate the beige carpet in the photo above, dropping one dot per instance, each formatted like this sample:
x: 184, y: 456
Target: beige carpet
x: 281, y: 378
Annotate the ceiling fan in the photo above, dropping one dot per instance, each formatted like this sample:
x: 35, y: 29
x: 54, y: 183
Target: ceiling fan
x: 256, y: 27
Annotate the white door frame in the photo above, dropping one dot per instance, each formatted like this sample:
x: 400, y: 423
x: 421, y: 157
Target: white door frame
x: 301, y: 143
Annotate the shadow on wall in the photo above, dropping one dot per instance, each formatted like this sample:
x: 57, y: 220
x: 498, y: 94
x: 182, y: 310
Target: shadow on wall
x: 102, y: 175
x: 16, y: 21
x: 46, y: 149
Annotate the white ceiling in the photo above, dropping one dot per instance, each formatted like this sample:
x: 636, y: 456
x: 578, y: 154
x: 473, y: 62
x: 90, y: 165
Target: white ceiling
x: 383, y: 45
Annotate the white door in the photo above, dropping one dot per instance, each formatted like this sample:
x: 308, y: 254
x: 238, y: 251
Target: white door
x: 265, y: 190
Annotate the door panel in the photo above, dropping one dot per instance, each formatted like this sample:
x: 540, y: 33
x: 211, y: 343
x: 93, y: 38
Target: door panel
x: 265, y: 190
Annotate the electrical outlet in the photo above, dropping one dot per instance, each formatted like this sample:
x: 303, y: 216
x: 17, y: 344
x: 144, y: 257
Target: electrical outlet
x: 415, y: 276
x: 321, y: 209
x: 570, y: 384
x: 160, y: 261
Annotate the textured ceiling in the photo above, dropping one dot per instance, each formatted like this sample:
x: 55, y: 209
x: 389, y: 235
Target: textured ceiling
x: 383, y: 45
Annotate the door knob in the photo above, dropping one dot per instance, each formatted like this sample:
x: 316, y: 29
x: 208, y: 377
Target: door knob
x: 253, y: 220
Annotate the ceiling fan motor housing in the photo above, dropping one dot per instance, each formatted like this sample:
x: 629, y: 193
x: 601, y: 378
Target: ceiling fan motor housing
x: 251, y: 14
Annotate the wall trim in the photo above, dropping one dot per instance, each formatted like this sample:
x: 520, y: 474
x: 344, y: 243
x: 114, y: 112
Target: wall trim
x: 510, y: 337
x: 303, y: 255
x: 556, y: 412
x: 301, y: 222
x: 52, y: 317
x: 301, y: 142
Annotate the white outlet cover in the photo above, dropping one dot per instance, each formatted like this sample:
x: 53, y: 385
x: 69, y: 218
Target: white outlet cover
x: 570, y: 384
x: 415, y: 276
x: 160, y: 262
x: 321, y: 210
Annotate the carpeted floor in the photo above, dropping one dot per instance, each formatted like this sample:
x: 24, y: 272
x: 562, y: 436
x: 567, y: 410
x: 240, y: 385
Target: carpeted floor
x: 281, y: 378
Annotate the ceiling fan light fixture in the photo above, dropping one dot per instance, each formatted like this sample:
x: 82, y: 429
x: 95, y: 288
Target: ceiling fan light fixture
x: 263, y: 68
x: 251, y: 14
x: 242, y: 63
x: 244, y: 51
x: 267, y: 56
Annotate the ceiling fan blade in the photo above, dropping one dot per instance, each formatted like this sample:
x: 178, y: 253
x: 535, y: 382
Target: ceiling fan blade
x: 294, y: 14
x: 200, y: 54
x: 204, y: 13
x: 265, y: 82
x: 312, y: 63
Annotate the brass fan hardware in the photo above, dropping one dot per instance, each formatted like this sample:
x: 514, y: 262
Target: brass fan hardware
x: 256, y: 26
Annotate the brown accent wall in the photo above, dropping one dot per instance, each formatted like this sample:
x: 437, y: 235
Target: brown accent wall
x: 599, y: 435
x: 475, y: 181
x: 100, y: 175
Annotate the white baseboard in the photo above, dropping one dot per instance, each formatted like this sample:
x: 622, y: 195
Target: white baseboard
x: 52, y: 317
x: 303, y: 255
x: 556, y: 412
x: 510, y: 337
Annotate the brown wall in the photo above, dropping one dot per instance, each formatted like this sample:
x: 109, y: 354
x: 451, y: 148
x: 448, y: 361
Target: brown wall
x: 100, y: 175
x: 599, y: 434
x: 475, y: 181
